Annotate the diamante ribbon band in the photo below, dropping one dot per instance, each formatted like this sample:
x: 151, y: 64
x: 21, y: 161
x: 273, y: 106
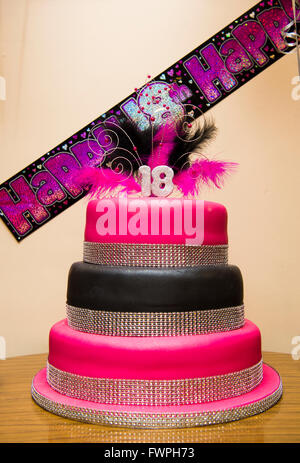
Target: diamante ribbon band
x: 156, y: 420
x: 155, y: 392
x: 154, y: 255
x: 108, y: 323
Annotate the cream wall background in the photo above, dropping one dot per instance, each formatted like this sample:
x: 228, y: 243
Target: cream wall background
x: 67, y: 61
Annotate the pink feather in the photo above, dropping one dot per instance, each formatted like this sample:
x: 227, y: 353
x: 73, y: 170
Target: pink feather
x: 99, y: 181
x: 163, y: 143
x: 203, y: 172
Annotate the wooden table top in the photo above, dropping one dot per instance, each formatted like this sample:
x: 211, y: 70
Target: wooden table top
x: 22, y: 421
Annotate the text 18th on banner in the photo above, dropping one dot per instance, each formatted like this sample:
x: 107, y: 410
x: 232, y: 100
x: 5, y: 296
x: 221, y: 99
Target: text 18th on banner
x: 205, y: 76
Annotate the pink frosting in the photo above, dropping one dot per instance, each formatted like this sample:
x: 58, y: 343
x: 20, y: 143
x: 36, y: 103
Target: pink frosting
x: 153, y: 357
x: 211, y: 229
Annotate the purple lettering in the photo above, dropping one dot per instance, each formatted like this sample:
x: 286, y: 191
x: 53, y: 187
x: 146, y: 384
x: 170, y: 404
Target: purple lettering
x: 205, y: 78
x: 179, y: 94
x: 253, y: 37
x: 237, y: 60
x: 88, y: 152
x: 63, y: 167
x: 49, y: 191
x: 273, y: 21
x: 15, y: 211
x: 287, y: 5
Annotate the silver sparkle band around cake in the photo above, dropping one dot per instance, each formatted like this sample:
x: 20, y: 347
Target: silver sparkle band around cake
x: 154, y: 255
x: 110, y: 323
x: 156, y: 420
x: 191, y: 391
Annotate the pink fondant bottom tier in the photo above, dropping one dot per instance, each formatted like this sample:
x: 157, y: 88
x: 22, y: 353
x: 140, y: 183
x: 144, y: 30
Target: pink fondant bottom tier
x: 256, y: 401
x: 153, y: 358
x: 156, y: 382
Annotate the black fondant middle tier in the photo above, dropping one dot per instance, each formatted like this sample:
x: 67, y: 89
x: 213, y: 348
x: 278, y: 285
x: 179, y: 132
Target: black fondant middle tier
x: 135, y: 289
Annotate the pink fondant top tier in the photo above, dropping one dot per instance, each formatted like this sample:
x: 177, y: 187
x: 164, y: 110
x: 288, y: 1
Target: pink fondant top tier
x: 156, y: 221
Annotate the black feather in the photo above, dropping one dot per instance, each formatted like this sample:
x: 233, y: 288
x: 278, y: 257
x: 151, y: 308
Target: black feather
x: 191, y: 140
x: 130, y: 142
x: 137, y: 145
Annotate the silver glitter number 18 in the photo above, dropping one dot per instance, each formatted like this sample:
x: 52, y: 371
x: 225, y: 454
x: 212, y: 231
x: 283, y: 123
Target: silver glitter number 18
x: 162, y: 180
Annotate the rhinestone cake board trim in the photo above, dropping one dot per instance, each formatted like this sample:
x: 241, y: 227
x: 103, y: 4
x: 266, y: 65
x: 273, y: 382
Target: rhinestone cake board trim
x: 257, y: 401
x: 155, y: 392
x: 154, y: 255
x: 108, y: 323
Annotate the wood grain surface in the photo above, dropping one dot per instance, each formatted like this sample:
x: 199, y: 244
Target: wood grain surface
x: 22, y: 421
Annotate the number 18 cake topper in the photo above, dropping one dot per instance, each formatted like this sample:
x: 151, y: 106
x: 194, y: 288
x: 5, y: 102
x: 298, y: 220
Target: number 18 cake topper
x: 201, y: 79
x: 162, y: 180
x: 156, y: 159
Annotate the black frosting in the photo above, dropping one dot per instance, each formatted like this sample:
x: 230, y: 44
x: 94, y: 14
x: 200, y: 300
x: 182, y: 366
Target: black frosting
x: 138, y: 289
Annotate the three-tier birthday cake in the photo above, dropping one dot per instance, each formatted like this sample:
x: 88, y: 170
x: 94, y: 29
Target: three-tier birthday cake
x: 155, y: 333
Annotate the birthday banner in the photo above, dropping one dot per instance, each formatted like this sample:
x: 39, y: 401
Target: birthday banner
x: 203, y: 78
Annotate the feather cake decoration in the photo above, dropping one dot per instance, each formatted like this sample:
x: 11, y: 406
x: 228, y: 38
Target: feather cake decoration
x: 176, y: 143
